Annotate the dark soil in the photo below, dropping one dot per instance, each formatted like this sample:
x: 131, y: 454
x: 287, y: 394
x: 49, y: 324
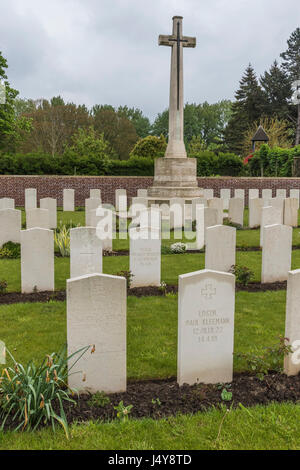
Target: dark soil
x: 163, y: 398
x: 18, y: 297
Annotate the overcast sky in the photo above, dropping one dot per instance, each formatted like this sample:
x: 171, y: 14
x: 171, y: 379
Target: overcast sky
x: 106, y: 51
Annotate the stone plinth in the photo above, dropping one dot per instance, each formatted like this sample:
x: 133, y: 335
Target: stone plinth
x: 175, y: 177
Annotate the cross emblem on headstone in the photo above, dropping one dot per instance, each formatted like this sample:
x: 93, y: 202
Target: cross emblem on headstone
x: 209, y: 291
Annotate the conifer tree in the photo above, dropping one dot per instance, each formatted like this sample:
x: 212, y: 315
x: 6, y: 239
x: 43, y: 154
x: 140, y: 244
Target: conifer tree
x: 277, y: 90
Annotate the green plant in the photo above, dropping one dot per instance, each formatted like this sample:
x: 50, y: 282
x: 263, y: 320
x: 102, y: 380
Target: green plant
x: 156, y: 401
x: 163, y: 287
x: 28, y: 394
x: 10, y: 250
x: 166, y: 250
x: 226, y: 395
x: 62, y: 241
x: 128, y: 276
x: 123, y: 411
x: 242, y: 273
x: 270, y: 359
x: 3, y: 286
x: 178, y: 248
x: 99, y: 400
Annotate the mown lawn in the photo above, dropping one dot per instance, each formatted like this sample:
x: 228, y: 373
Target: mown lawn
x: 31, y: 331
x: 274, y: 427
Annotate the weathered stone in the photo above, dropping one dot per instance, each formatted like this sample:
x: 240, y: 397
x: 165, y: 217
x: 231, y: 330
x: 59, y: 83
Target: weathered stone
x: 51, y: 205
x: 37, y: 260
x: 142, y: 193
x: 37, y: 218
x: 69, y: 200
x: 239, y: 193
x: 205, y: 327
x: 276, y: 253
x: 145, y: 257
x: 281, y: 193
x: 95, y: 193
x: 253, y: 193
x: 208, y: 193
x: 270, y: 215
x: 225, y: 195
x: 217, y: 203
x: 121, y: 200
x: 91, y: 204
x: 266, y: 194
x: 85, y: 252
x: 105, y: 222
x: 255, y: 206
x: 294, y: 193
x: 96, y: 316
x: 30, y: 198
x: 220, y: 248
x: 210, y: 219
x: 10, y: 226
x: 292, y: 323
x: 7, y: 203
x: 236, y: 211
x: 290, y: 212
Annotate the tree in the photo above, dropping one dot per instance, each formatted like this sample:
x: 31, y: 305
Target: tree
x: 277, y: 91
x: 247, y: 108
x: 141, y: 123
x: 7, y: 113
x: 204, y: 120
x: 150, y: 147
x: 291, y: 65
x: 53, y: 125
x: 117, y: 130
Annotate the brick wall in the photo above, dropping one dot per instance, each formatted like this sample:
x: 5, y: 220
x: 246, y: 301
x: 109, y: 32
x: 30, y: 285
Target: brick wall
x: 53, y: 186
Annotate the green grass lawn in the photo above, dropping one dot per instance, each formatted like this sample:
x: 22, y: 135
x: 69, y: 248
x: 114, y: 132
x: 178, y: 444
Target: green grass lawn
x: 274, y: 427
x: 171, y: 267
x: 31, y: 331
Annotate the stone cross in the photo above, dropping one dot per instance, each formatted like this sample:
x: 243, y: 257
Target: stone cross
x: 177, y: 41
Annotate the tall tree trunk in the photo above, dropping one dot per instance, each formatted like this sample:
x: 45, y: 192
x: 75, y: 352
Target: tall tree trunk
x: 297, y: 142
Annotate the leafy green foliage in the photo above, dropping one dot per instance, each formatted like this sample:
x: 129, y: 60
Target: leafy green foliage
x: 3, y: 286
x: 150, y: 147
x: 273, y: 161
x: 123, y: 411
x: 99, y: 400
x: 243, y: 274
x: 62, y: 241
x: 10, y: 250
x: 270, y: 360
x: 29, y: 394
x: 128, y: 276
x: 225, y: 164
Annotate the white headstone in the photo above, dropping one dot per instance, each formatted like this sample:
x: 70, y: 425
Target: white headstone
x: 205, y: 327
x: 145, y: 257
x: 30, y: 198
x: 200, y: 235
x: 294, y: 193
x: 270, y: 215
x: 85, y: 252
x: 225, y: 195
x: 236, y: 211
x: 37, y: 260
x: 198, y: 201
x: 210, y: 218
x: 239, y: 193
x: 69, y: 200
x: 292, y: 323
x: 217, y: 203
x: 96, y: 316
x: 220, y: 248
x: 276, y: 253
x: 255, y: 206
x: 51, y: 205
x: 253, y: 193
x: 7, y: 203
x: 208, y: 193
x: 10, y: 226
x: 290, y: 213
x: 37, y: 218
x: 176, y: 213
x: 91, y: 204
x: 138, y: 204
x: 95, y: 193
x: 266, y: 193
x: 277, y: 202
x: 121, y: 200
x: 281, y: 193
x: 105, y: 222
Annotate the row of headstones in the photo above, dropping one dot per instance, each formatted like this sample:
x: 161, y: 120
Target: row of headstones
x: 96, y: 315
x: 86, y: 248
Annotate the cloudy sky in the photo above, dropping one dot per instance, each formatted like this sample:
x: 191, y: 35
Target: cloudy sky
x: 106, y: 51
